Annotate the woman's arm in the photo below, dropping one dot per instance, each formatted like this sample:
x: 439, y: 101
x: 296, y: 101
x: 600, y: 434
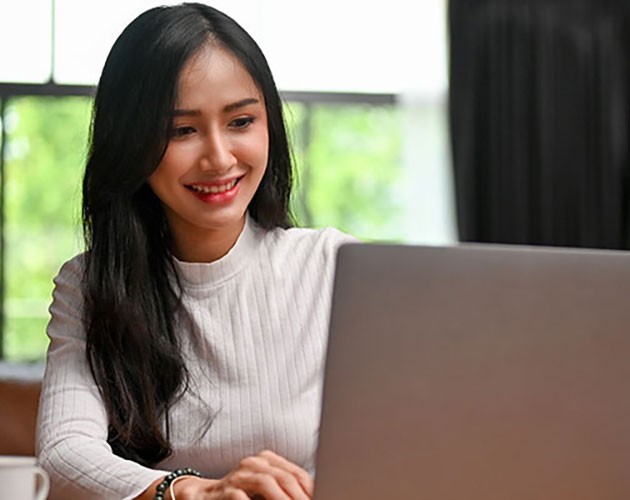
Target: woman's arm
x: 72, y: 422
x: 149, y: 493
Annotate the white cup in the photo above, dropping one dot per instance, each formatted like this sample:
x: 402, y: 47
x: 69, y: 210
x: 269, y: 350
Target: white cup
x: 22, y: 479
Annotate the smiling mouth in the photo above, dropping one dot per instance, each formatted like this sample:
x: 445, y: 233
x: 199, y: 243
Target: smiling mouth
x: 213, y: 188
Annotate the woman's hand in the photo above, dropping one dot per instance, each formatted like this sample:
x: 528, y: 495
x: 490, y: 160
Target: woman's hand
x: 264, y: 476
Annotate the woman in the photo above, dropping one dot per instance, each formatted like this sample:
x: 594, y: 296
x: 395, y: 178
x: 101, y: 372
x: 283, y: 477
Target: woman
x: 187, y: 342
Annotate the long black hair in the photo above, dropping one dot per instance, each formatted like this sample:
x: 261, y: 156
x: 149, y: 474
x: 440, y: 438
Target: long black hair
x: 131, y: 287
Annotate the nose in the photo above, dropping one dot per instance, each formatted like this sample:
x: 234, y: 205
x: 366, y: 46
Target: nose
x: 217, y: 153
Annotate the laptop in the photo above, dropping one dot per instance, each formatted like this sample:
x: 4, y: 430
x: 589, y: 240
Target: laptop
x: 477, y: 372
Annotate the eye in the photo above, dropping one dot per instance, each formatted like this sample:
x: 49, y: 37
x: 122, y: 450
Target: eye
x: 242, y: 122
x: 181, y: 131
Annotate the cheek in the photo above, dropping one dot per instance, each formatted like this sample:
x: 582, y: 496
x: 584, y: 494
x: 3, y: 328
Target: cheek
x: 259, y: 150
x: 157, y: 179
x: 173, y: 163
x: 252, y: 148
x: 163, y: 178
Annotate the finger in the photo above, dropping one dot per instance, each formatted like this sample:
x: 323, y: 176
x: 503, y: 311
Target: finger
x: 294, y: 480
x: 289, y: 483
x: 209, y: 489
x: 303, y: 477
x: 259, y: 483
x: 228, y: 493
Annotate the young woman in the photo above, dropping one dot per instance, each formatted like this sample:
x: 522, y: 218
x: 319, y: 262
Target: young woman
x: 187, y: 342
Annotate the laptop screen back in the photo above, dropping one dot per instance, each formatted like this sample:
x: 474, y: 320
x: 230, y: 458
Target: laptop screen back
x: 477, y: 373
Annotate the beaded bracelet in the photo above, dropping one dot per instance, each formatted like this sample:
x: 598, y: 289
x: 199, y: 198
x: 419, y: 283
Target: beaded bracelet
x: 160, y: 490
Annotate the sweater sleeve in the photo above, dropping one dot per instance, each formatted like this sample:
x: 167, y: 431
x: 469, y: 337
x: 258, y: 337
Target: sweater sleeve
x: 72, y: 422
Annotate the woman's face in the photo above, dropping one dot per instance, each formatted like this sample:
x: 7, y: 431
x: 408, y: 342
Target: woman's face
x: 217, y: 151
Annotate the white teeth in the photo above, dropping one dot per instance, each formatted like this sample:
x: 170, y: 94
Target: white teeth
x: 213, y: 189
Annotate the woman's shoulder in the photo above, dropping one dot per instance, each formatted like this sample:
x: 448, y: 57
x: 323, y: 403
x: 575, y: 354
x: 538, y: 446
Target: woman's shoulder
x: 326, y: 237
x: 73, y: 266
x: 72, y: 269
x: 299, y: 243
x: 67, y: 304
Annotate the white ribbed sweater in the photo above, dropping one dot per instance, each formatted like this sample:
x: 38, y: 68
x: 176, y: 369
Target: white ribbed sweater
x: 254, y: 335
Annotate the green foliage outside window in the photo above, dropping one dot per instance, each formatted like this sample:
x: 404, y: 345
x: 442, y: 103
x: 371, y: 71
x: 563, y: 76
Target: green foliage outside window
x: 348, y: 166
x: 45, y: 150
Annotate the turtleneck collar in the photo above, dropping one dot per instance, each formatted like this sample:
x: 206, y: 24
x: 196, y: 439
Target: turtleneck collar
x: 212, y: 274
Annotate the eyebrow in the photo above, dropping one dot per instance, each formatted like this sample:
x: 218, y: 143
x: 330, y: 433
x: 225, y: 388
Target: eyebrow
x: 227, y: 109
x: 240, y: 104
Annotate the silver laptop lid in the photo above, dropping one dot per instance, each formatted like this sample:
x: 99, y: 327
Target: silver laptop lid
x: 477, y: 373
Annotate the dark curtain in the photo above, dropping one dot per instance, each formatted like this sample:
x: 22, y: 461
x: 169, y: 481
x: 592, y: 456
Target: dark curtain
x: 539, y: 121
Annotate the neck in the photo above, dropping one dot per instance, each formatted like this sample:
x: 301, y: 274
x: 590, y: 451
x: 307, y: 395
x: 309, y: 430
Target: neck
x: 206, y: 245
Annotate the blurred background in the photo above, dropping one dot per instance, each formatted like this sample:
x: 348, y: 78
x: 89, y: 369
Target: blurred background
x: 427, y: 122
